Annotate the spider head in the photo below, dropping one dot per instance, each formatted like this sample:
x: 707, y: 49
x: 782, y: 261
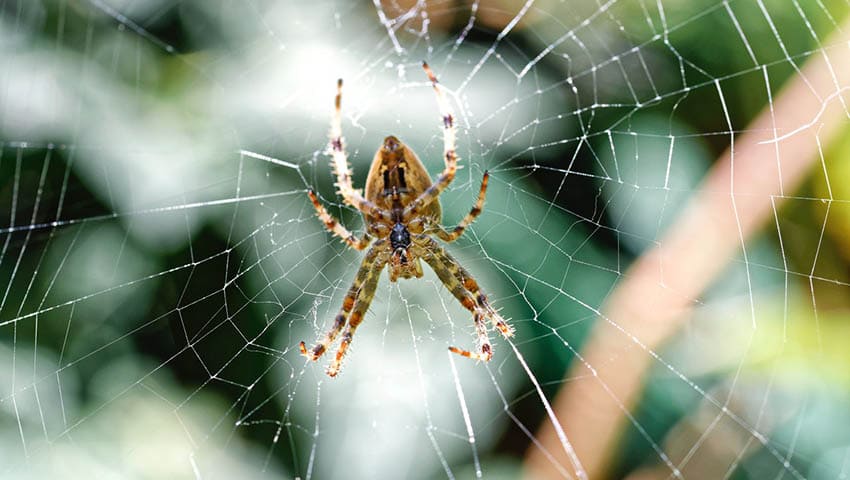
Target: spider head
x: 402, y: 264
x: 399, y: 237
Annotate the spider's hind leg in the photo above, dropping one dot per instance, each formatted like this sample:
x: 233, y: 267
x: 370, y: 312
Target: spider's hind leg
x: 449, y: 152
x: 339, y: 161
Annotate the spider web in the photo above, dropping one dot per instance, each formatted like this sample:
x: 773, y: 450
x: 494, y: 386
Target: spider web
x: 160, y: 259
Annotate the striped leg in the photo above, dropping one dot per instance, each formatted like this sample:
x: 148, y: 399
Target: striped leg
x: 341, y: 168
x: 469, y: 218
x: 371, y: 266
x: 500, y: 323
x: 361, y: 306
x: 471, y: 285
x: 445, y: 271
x: 336, y: 228
x: 463, y: 277
x: 485, y: 350
x: 449, y: 154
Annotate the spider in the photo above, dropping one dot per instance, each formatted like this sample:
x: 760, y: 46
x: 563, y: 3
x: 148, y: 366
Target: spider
x: 401, y: 210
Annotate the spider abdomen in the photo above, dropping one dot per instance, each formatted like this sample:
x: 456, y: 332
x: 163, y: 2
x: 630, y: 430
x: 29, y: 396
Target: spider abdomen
x: 396, y: 168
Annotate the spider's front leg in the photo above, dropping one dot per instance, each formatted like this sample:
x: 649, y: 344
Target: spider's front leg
x: 361, y: 306
x: 466, y: 290
x: 485, y: 348
x: 358, y: 297
x: 464, y: 278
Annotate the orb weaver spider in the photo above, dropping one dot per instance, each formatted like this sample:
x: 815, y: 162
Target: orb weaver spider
x: 401, y: 210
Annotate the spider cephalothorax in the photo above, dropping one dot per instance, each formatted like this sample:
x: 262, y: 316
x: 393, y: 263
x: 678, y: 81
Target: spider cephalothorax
x: 402, y: 210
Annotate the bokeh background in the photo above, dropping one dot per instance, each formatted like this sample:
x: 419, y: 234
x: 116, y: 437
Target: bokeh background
x: 160, y: 259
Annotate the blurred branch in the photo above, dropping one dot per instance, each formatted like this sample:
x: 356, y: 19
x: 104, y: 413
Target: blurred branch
x: 740, y: 194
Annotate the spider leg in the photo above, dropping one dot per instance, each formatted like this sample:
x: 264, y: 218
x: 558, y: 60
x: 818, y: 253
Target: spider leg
x: 463, y: 277
x: 446, y: 269
x: 485, y: 349
x: 361, y: 306
x: 337, y: 228
x: 449, y: 154
x: 368, y: 267
x: 341, y: 168
x: 468, y: 219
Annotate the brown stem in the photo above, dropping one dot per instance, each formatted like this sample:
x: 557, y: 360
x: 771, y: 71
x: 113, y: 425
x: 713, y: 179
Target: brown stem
x: 659, y: 290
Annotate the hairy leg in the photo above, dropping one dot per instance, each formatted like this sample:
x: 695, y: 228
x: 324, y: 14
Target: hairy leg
x: 361, y: 306
x: 370, y: 267
x: 463, y: 277
x: 335, y: 227
x: 446, y: 275
x: 341, y: 168
x: 469, y: 218
x: 449, y: 154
